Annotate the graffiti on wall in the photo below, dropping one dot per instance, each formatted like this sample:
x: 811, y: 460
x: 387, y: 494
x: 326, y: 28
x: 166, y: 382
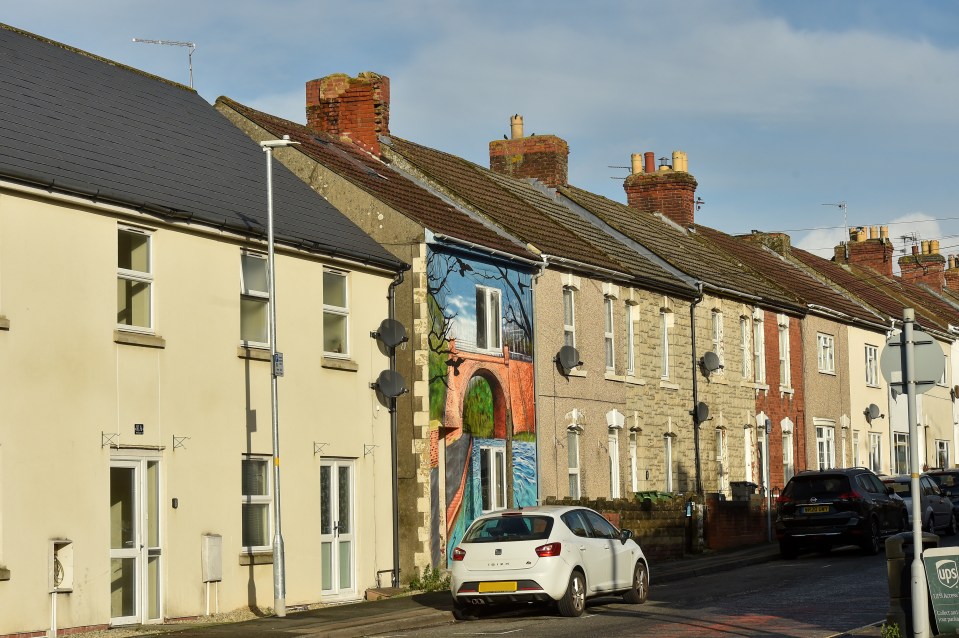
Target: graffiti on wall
x: 482, y: 414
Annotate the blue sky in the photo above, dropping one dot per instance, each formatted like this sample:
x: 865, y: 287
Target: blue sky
x: 782, y: 107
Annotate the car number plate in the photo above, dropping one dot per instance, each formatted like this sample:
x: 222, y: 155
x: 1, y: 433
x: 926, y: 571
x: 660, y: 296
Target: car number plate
x: 498, y: 586
x: 815, y: 509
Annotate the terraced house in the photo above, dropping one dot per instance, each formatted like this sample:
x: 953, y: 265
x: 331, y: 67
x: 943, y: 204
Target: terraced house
x: 136, y: 479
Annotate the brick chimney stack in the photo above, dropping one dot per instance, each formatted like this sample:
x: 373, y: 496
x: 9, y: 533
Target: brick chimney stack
x: 671, y: 190
x: 867, y: 247
x: 924, y: 265
x: 355, y: 108
x: 951, y: 274
x: 777, y: 242
x: 541, y: 157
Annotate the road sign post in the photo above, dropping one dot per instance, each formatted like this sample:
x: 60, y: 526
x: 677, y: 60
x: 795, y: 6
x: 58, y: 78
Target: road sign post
x: 912, y: 362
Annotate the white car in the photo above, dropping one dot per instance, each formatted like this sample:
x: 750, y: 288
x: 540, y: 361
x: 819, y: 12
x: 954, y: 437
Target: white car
x: 544, y: 554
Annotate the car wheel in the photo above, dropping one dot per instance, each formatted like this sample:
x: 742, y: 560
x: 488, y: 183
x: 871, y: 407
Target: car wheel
x: 951, y: 530
x: 640, y: 590
x: 873, y: 542
x: 788, y: 549
x: 464, y: 611
x: 573, y: 601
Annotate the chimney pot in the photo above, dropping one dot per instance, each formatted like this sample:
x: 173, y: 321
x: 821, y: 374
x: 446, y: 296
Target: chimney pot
x: 636, y: 162
x: 884, y: 232
x: 925, y: 247
x: 516, y: 126
x: 649, y: 161
x: 874, y: 232
x: 934, y: 247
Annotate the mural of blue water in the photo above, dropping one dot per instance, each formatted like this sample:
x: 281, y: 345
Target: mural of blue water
x: 524, y: 485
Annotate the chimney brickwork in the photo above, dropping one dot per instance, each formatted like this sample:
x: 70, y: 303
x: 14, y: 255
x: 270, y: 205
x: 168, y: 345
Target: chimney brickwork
x: 777, y: 242
x: 672, y: 193
x: 925, y: 266
x: 541, y: 157
x: 356, y: 108
x: 951, y: 274
x: 875, y: 253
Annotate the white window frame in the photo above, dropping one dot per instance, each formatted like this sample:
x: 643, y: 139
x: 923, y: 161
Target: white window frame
x: 664, y: 342
x: 496, y: 458
x: 744, y: 349
x: 569, y: 318
x: 260, y: 296
x: 825, y: 446
x: 572, y: 456
x: 492, y: 320
x: 942, y: 453
x: 872, y: 366
x: 759, y: 350
x: 668, y: 460
x: 717, y: 337
x: 609, y: 345
x: 856, y: 452
x: 826, y: 348
x: 633, y: 462
x: 785, y: 373
x: 748, y: 453
x: 900, y: 442
x: 875, y: 452
x: 613, y: 444
x: 258, y: 499
x: 789, y: 464
x: 341, y: 311
x: 631, y: 321
x: 137, y: 276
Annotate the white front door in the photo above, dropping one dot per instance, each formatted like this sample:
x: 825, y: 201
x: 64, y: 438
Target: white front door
x: 135, y: 551
x: 337, y: 535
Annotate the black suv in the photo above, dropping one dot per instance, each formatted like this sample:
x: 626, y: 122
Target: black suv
x: 841, y: 506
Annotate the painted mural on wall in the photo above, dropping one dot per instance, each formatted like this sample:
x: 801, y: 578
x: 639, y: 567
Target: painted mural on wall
x: 482, y: 414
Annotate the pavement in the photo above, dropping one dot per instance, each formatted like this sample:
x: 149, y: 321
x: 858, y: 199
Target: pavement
x: 405, y: 612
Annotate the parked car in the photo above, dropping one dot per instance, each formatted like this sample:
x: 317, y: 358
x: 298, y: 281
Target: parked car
x: 936, y: 508
x: 825, y: 508
x: 948, y: 482
x: 545, y: 554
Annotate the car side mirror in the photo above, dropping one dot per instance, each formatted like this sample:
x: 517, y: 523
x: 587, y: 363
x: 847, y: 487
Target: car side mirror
x: 889, y: 490
x: 625, y: 535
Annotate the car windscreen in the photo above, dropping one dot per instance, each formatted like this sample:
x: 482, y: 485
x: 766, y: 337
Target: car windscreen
x: 902, y: 489
x: 509, y: 527
x: 802, y: 488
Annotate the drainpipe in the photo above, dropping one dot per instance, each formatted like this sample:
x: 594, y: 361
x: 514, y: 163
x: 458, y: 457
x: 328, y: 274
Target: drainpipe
x: 536, y: 357
x: 694, y: 412
x: 391, y: 304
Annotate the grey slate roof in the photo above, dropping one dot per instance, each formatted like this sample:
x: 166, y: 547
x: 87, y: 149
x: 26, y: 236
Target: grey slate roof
x: 73, y: 122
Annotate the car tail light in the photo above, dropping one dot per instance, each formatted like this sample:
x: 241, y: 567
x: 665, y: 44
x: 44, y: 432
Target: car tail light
x: 782, y: 498
x: 459, y: 553
x: 852, y: 495
x: 549, y: 549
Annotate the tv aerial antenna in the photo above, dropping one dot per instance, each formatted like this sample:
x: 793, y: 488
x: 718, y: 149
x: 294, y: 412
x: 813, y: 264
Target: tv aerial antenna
x: 174, y: 43
x: 845, y: 222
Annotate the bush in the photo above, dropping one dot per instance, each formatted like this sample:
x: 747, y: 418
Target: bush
x: 431, y: 580
x: 891, y: 631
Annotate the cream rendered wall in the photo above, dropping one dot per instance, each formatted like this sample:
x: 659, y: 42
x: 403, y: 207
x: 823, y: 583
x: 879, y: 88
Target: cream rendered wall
x: 862, y: 395
x: 935, y: 414
x: 64, y: 381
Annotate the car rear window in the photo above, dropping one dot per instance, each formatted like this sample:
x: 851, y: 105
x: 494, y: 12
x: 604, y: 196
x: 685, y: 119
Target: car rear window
x: 902, y: 489
x: 509, y: 527
x: 945, y: 480
x: 804, y: 487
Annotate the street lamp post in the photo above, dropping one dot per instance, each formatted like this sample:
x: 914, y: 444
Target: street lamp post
x: 276, y: 360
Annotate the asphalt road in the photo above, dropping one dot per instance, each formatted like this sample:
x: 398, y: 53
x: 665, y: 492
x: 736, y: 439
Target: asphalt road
x: 815, y: 596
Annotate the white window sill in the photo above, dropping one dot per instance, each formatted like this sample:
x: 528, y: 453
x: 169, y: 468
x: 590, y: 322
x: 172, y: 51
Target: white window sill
x: 138, y: 339
x: 576, y: 372
x: 634, y: 380
x: 612, y: 376
x: 721, y: 379
x: 754, y: 385
x: 668, y: 385
x: 256, y: 557
x: 339, y: 364
x: 786, y: 390
x: 829, y: 372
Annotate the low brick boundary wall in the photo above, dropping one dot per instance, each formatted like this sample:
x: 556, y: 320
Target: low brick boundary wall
x: 732, y: 524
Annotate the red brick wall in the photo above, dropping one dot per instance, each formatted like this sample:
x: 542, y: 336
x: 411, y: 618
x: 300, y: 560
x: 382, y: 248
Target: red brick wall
x: 927, y: 269
x: 871, y: 253
x: 731, y: 524
x: 542, y: 157
x: 671, y: 193
x: 357, y: 108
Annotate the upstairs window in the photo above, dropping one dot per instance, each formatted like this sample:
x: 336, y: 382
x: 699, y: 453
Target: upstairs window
x: 759, y: 351
x: 336, y: 314
x: 826, y: 346
x: 785, y: 374
x: 608, y: 338
x: 665, y: 320
x: 717, y: 335
x: 569, y: 316
x: 254, y: 299
x: 631, y: 315
x: 872, y: 365
x: 744, y: 349
x: 489, y: 318
x: 134, y: 279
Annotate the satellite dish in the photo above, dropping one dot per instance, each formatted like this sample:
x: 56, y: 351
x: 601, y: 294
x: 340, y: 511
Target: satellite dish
x: 701, y: 412
x: 872, y: 412
x: 390, y: 384
x: 568, y: 358
x: 711, y: 362
x: 391, y: 333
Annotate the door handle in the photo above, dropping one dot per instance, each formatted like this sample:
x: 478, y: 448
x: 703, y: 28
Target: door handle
x: 582, y: 548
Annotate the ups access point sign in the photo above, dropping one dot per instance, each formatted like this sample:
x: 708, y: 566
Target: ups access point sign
x: 942, y: 576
